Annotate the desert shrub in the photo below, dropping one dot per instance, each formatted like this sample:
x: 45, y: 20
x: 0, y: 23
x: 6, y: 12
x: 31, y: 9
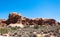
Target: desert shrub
x: 36, y: 26
x: 13, y: 28
x: 3, y: 30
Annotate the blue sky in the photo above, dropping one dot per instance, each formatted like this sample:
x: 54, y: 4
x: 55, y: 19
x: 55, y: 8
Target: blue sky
x: 31, y: 8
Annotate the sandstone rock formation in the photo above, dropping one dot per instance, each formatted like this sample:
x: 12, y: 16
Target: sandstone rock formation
x: 2, y: 23
x: 14, y: 18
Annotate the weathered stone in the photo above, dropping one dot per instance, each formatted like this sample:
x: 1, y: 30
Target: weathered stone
x: 14, y: 18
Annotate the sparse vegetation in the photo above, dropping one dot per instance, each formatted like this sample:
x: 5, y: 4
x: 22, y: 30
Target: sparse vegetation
x: 27, y: 29
x: 36, y: 26
x: 3, y: 30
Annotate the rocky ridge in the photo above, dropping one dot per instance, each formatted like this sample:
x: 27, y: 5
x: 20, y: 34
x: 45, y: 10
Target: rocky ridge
x: 14, y: 18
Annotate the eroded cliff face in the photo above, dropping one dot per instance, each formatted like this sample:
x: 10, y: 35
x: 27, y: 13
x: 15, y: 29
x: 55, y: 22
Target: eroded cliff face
x: 14, y: 18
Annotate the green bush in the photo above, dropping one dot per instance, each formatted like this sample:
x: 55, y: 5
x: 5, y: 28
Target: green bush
x: 36, y: 26
x: 3, y: 30
x: 13, y: 28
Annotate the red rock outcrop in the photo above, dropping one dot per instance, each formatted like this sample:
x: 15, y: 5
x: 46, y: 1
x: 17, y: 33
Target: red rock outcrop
x: 14, y: 18
x: 25, y: 21
x: 49, y: 21
x: 2, y: 23
x: 58, y: 23
x: 17, y: 18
